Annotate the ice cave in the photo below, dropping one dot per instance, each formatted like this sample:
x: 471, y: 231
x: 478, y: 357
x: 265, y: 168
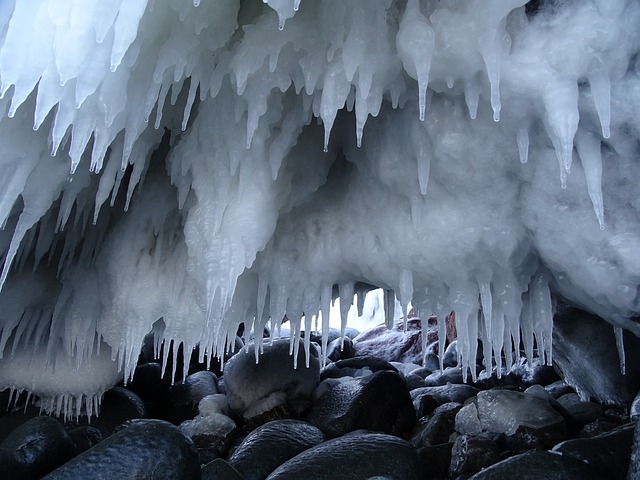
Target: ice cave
x: 182, y: 167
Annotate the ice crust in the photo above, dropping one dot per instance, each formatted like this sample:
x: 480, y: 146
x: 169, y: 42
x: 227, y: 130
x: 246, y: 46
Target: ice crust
x: 165, y: 160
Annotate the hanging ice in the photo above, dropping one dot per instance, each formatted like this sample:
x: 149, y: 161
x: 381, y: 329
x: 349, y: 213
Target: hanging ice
x: 164, y: 160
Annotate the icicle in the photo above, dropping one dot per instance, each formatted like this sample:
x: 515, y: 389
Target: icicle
x: 619, y: 334
x: 389, y: 307
x: 325, y: 309
x: 472, y: 96
x: 542, y: 314
x: 126, y: 29
x: 405, y: 293
x: 526, y: 329
x: 334, y: 94
x: 464, y: 301
x: 415, y: 43
x: 522, y: 137
x: 601, y: 91
x: 561, y: 104
x: 423, y: 148
x: 346, y: 300
x: 486, y: 303
x: 588, y: 146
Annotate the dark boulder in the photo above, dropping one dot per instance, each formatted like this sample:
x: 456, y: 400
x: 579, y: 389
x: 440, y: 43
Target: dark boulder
x: 357, y: 456
x: 35, y: 448
x: 538, y: 465
x: 379, y: 402
x: 607, y: 454
x: 272, y: 444
x: 584, y: 350
x: 438, y: 427
x: 144, y: 450
x: 427, y: 399
x: 471, y: 453
x: 183, y: 397
x: 353, y: 367
x: 255, y: 388
x: 220, y: 469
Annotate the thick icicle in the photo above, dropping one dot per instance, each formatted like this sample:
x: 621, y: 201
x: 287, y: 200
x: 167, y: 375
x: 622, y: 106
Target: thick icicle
x: 542, y: 314
x: 588, y: 146
x: 389, y: 307
x: 561, y: 105
x: 619, y: 334
x: 416, y: 41
x: 601, y: 91
x: 522, y: 138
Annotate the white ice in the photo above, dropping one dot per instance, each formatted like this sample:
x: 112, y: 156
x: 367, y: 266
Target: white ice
x: 165, y: 160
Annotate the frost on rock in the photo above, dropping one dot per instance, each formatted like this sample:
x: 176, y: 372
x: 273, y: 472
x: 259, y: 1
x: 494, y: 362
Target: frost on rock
x: 211, y: 163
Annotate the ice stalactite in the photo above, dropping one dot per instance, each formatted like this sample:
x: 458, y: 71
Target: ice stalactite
x: 183, y: 167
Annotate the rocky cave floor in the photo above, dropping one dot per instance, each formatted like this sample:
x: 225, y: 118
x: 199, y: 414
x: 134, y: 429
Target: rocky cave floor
x: 374, y: 411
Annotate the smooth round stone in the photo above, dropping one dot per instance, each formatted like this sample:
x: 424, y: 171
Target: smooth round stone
x: 607, y: 454
x: 35, y: 448
x: 379, y: 402
x: 144, y: 450
x: 184, y: 397
x: 272, y: 444
x: 247, y: 383
x: 357, y: 456
x: 538, y: 465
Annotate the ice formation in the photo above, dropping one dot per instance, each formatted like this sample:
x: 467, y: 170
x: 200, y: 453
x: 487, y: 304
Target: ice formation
x: 212, y: 162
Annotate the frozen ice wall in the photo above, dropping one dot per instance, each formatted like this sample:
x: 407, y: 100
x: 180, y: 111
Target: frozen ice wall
x: 214, y: 162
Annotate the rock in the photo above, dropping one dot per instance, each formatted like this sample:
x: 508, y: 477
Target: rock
x: 634, y: 411
x: 448, y: 375
x: 35, y: 448
x: 379, y: 402
x: 272, y: 444
x: 584, y: 350
x: 247, y: 382
x: 470, y: 454
x: 439, y: 426
x: 144, y: 450
x: 608, y: 454
x: 210, y: 434
x: 435, y: 460
x: 537, y: 465
x: 392, y: 344
x: 219, y: 469
x: 357, y: 456
x: 183, y: 397
x: 413, y: 381
x: 216, y: 403
x: 450, y: 358
x: 467, y: 421
x: 340, y: 349
x: 503, y: 411
x: 558, y: 388
x: 426, y: 399
x: 527, y: 420
x: 118, y: 406
x: 85, y: 437
x: 149, y: 385
x: 578, y: 412
x: 634, y: 463
x: 356, y: 367
x: 599, y: 427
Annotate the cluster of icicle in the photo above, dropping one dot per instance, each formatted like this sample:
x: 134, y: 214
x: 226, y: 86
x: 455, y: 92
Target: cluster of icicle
x: 162, y: 168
